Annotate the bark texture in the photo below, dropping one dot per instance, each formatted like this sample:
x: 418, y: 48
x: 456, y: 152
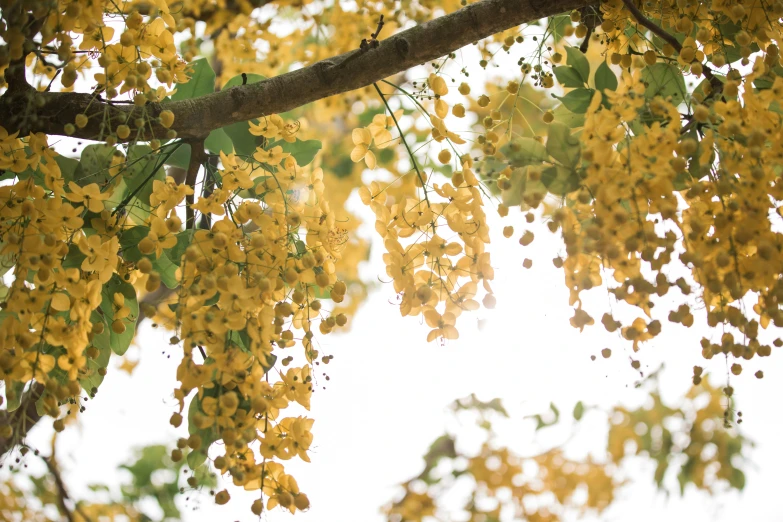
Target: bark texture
x: 25, y: 110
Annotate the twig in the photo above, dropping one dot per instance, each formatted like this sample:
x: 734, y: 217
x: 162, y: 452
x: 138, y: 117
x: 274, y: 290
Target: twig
x: 649, y: 24
x: 586, y: 41
x: 56, y: 74
x: 209, y: 188
x: 63, y: 493
x: 404, y: 142
x: 151, y: 175
x: 197, y: 158
x: 717, y: 85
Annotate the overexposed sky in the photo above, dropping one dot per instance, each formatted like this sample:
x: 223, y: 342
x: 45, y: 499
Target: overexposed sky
x: 386, y: 401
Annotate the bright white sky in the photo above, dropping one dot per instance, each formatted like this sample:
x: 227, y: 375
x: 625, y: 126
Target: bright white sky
x: 388, y: 391
x: 387, y: 397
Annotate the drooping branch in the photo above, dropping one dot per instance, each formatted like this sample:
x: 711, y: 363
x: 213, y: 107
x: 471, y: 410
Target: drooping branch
x: 196, y: 118
x: 197, y: 158
x: 657, y: 30
x: 21, y: 419
x: 62, y: 493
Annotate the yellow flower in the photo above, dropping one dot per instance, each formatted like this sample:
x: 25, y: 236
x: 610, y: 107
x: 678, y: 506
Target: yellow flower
x: 362, y: 138
x: 160, y: 235
x: 442, y: 325
x: 298, y: 434
x: 379, y: 131
x: 100, y: 257
x: 273, y: 127
x: 96, y: 38
x: 90, y: 196
x: 272, y: 156
x: 71, y: 364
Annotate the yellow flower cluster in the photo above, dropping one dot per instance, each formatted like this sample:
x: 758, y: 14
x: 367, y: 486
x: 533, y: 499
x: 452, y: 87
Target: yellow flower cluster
x: 60, y: 301
x: 434, y: 276
x: 251, y: 284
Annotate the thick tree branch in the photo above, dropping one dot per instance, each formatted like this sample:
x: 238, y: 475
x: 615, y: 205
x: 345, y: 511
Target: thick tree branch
x: 205, y: 13
x: 195, y: 118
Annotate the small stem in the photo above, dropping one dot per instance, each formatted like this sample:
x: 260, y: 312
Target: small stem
x: 402, y: 138
x: 62, y: 492
x: 197, y: 158
x: 717, y: 85
x: 586, y: 41
x: 158, y: 165
x: 649, y: 24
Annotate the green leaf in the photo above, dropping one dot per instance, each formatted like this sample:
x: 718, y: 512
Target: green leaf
x: 579, y: 411
x: 164, y: 266
x: 562, y: 146
x: 143, y: 169
x: 303, y: 151
x: 525, y: 151
x: 129, y: 242
x: 665, y: 80
x: 168, y: 262
x: 766, y: 81
x: 94, y: 165
x: 605, y: 78
x: 202, y: 81
x: 576, y: 59
x: 180, y: 157
x: 14, y: 399
x: 208, y: 436
x: 737, y: 479
x: 568, y: 118
x: 119, y: 342
x: 198, y: 457
x: 74, y: 258
x: 67, y: 167
x: 92, y: 379
x: 244, y: 142
x: 578, y: 100
x: 556, y: 26
x: 218, y: 141
x: 567, y: 76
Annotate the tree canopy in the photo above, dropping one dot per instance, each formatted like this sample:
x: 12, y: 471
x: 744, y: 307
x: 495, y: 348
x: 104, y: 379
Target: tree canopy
x: 190, y: 163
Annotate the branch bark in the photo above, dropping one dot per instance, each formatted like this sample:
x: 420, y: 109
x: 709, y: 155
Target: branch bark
x: 196, y: 118
x: 62, y: 493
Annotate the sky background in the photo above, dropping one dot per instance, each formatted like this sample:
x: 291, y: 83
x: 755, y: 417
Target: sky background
x: 389, y: 390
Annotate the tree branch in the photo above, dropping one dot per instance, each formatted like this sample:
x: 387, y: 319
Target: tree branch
x: 196, y: 118
x: 62, y: 493
x: 22, y: 419
x: 657, y: 30
x: 206, y: 12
